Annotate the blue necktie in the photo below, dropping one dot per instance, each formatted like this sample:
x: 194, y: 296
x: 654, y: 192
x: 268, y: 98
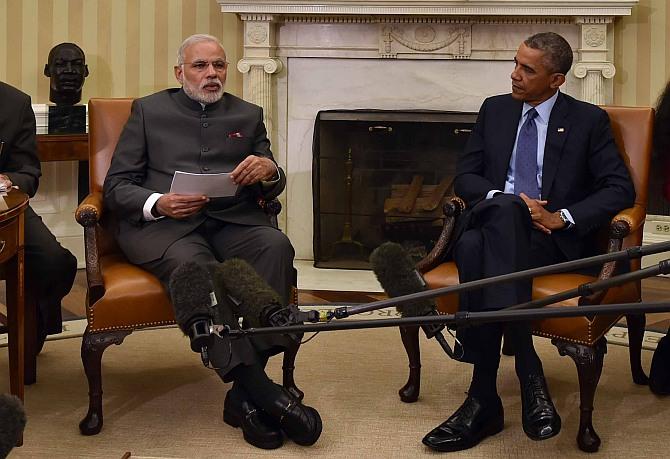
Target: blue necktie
x: 525, y: 165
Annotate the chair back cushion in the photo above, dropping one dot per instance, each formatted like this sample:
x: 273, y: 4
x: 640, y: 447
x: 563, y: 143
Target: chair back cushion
x: 633, y: 129
x: 106, y: 119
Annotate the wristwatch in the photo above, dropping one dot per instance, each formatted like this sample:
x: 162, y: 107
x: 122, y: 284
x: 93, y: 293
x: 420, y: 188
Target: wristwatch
x: 564, y: 218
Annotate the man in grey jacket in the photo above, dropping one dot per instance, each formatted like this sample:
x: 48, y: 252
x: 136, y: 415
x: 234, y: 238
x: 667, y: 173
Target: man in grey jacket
x: 201, y: 129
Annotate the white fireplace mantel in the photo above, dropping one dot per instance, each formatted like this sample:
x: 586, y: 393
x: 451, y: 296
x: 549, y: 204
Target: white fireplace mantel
x: 303, y: 56
x: 433, y: 7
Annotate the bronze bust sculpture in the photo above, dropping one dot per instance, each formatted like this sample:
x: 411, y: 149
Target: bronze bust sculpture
x: 67, y: 69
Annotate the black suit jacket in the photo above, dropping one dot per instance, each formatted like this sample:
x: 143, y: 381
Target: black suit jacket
x: 18, y: 158
x: 583, y: 170
x: 168, y: 131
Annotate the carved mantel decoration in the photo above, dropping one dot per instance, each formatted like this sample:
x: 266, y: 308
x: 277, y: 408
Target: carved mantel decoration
x: 437, y: 29
x: 303, y: 56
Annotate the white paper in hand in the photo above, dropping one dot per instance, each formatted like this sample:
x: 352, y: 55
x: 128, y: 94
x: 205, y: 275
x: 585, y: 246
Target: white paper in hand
x: 211, y: 185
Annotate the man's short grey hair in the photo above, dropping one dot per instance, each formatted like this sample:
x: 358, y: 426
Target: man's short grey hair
x: 558, y: 54
x: 192, y: 40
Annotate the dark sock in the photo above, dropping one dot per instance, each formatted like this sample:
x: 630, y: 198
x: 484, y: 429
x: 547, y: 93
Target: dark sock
x: 238, y: 390
x: 485, y: 372
x: 256, y: 384
x: 526, y: 361
x: 483, y: 385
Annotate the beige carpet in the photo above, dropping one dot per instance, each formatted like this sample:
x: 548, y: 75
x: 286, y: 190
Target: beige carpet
x: 160, y: 402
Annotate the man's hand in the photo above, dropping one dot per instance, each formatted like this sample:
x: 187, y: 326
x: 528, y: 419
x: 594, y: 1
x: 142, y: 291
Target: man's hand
x: 5, y: 182
x: 180, y: 205
x: 543, y: 220
x: 253, y: 170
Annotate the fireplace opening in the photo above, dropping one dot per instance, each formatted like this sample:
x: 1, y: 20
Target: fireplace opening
x: 381, y: 176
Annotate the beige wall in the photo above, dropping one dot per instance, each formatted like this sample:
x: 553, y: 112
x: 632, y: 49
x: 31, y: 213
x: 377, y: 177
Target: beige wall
x: 642, y: 53
x: 130, y: 45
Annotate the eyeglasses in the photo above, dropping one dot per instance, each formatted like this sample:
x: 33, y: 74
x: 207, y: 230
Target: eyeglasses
x: 201, y: 66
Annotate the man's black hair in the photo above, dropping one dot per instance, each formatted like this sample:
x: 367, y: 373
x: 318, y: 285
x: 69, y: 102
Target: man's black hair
x: 558, y: 54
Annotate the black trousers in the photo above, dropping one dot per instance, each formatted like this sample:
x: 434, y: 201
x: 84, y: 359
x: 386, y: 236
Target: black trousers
x: 265, y: 248
x: 50, y: 270
x: 498, y: 238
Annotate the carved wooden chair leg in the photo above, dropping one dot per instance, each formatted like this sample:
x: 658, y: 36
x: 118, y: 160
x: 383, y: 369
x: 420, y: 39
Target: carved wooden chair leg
x: 92, y: 347
x: 636, y: 324
x: 410, y: 339
x: 288, y: 367
x: 589, y: 362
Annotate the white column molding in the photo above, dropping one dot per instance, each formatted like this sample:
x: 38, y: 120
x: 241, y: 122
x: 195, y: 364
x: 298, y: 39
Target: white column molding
x: 259, y: 63
x: 258, y: 84
x: 270, y: 65
x: 593, y: 81
x: 594, y: 63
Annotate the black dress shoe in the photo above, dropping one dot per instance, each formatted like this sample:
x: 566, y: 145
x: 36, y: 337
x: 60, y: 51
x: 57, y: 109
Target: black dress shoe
x: 539, y: 417
x: 258, y: 428
x: 300, y: 422
x: 470, y: 424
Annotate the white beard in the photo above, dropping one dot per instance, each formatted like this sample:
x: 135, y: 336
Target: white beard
x: 200, y: 95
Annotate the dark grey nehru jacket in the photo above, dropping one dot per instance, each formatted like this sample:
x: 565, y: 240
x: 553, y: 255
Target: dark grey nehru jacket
x: 169, y: 131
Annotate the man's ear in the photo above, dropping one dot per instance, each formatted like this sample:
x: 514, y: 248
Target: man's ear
x: 47, y: 73
x: 85, y: 70
x: 179, y: 73
x: 557, y: 79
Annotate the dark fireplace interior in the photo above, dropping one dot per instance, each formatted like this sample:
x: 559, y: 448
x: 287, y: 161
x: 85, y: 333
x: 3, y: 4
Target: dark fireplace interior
x: 382, y: 176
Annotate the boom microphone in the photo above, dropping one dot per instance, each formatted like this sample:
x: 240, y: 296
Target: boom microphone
x: 398, y: 277
x: 254, y: 299
x: 191, y: 293
x: 12, y: 422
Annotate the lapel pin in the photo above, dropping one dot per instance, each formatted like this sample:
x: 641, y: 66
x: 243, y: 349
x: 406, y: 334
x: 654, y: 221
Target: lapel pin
x: 561, y: 129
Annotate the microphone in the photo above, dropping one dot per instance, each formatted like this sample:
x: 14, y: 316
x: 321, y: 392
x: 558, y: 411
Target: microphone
x: 192, y: 298
x: 254, y: 299
x: 397, y: 275
x: 12, y: 422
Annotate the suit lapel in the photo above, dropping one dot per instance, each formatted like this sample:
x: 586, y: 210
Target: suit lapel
x: 507, y: 125
x: 557, y: 132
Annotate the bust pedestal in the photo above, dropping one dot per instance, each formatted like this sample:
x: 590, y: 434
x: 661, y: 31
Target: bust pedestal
x: 67, y: 119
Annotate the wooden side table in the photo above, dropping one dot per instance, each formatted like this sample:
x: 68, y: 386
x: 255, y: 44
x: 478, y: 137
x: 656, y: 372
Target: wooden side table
x: 12, y: 209
x: 62, y: 147
x: 67, y: 147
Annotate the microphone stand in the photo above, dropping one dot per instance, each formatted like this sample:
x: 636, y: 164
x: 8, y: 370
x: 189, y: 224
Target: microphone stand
x: 591, y: 287
x: 627, y: 254
x: 459, y: 318
x: 531, y: 310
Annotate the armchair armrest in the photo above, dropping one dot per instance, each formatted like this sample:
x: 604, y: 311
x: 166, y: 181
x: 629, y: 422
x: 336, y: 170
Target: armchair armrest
x: 272, y: 208
x: 627, y: 221
x: 89, y: 212
x: 452, y: 209
x: 88, y: 215
x: 622, y: 225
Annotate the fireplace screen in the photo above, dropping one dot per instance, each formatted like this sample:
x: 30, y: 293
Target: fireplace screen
x: 382, y: 176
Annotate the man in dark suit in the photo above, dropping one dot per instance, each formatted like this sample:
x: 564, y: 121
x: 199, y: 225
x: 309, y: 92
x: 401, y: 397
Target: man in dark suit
x: 50, y: 268
x: 540, y: 173
x: 201, y: 129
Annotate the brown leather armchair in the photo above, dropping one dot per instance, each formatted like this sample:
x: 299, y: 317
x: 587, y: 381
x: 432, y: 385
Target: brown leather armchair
x: 580, y: 337
x: 121, y: 297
